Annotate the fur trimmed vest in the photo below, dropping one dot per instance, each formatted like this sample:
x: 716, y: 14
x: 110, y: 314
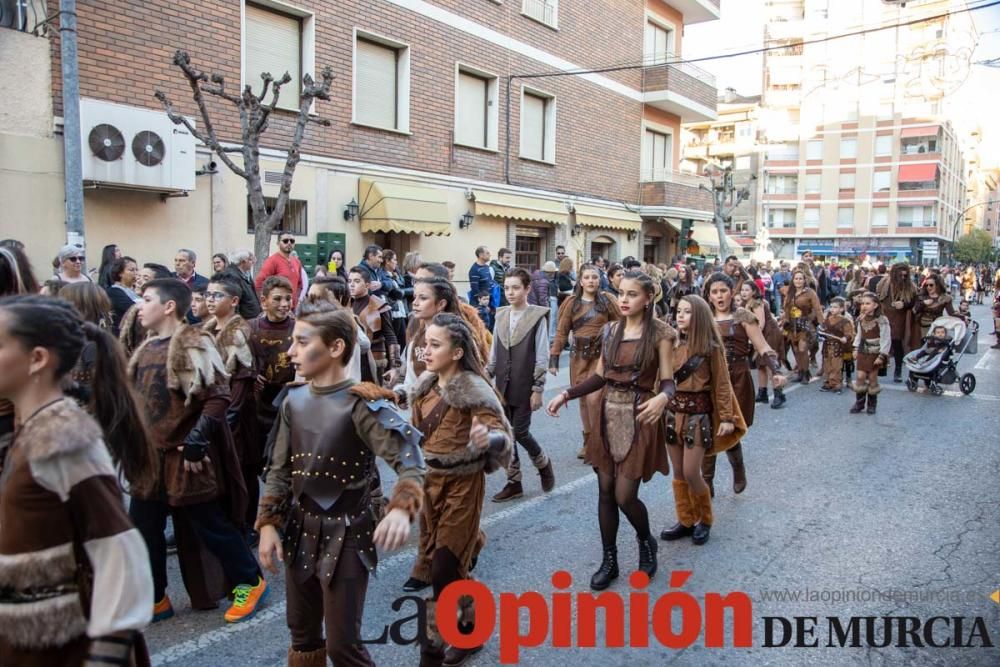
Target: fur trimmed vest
x: 233, y: 341
x: 446, y: 444
x: 193, y: 361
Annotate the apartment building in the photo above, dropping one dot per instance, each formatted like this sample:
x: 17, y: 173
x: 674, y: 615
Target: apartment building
x: 861, y: 158
x: 729, y: 141
x: 453, y: 123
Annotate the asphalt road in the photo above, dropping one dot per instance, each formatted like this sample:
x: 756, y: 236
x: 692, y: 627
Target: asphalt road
x: 896, y: 514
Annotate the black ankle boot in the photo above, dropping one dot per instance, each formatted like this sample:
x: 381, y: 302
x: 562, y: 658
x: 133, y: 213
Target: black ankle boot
x: 676, y: 532
x: 779, y: 399
x: 872, y: 403
x: 647, y: 555
x: 805, y: 378
x: 859, y: 403
x: 762, y: 395
x: 608, y: 571
x: 701, y: 532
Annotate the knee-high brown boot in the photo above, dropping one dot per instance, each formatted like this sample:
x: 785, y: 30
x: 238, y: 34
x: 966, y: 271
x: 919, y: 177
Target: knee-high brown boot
x: 860, y: 396
x: 735, y: 456
x: 685, y: 513
x: 703, y: 508
x: 316, y: 658
x: 432, y: 653
x: 708, y: 473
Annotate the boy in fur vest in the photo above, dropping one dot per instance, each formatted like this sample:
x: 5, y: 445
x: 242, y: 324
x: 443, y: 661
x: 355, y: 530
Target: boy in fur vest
x: 518, y: 362
x: 182, y: 380
x: 232, y: 336
x: 837, y: 332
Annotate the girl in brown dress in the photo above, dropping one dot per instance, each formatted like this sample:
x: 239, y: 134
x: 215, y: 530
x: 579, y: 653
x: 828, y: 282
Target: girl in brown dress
x: 465, y: 436
x: 584, y: 315
x: 933, y: 301
x: 802, y: 313
x: 872, y: 344
x: 774, y: 337
x: 704, y: 417
x: 741, y: 336
x: 634, y: 378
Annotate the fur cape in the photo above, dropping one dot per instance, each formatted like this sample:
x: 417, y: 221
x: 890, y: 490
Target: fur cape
x: 469, y: 391
x: 745, y: 316
x: 894, y: 287
x: 193, y: 362
x: 233, y: 342
x: 129, y: 329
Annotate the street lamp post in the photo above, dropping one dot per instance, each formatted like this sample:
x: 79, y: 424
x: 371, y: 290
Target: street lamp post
x: 958, y: 218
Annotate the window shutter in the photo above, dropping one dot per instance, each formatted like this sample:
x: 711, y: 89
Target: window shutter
x: 471, y: 111
x: 533, y: 127
x: 375, y: 87
x: 274, y: 44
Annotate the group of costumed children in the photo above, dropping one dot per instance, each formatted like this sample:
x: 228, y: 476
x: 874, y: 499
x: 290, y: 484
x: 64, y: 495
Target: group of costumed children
x: 221, y: 398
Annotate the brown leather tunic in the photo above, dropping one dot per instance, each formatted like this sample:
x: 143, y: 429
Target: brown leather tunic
x: 587, y: 325
x: 738, y: 351
x: 802, y: 316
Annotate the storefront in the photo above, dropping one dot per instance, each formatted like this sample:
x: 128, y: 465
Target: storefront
x: 611, y: 233
x: 532, y: 224
x: 872, y: 250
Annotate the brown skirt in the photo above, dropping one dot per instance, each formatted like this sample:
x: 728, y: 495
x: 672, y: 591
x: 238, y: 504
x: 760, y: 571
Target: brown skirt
x: 739, y: 375
x: 453, y: 505
x: 647, y: 454
x: 866, y: 362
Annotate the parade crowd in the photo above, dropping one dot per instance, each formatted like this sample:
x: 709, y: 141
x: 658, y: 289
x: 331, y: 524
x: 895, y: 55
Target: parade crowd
x: 245, y: 411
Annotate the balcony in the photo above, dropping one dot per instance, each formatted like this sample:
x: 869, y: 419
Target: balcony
x: 677, y: 191
x: 681, y: 89
x: 24, y: 15
x: 697, y: 11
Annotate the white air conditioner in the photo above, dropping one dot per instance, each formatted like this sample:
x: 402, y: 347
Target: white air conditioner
x: 134, y: 148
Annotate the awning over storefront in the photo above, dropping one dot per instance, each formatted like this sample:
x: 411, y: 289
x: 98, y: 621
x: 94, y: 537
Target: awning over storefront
x: 386, y: 206
x: 917, y: 173
x: 608, y: 218
x: 705, y: 235
x: 925, y: 131
x: 517, y: 207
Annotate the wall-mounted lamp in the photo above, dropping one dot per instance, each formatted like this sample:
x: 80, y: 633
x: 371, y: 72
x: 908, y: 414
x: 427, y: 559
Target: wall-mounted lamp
x: 631, y: 234
x: 574, y: 230
x: 466, y: 220
x: 351, y: 210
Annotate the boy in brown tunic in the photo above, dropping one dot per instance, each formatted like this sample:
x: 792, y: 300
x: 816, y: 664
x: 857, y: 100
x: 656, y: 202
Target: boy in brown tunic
x: 837, y: 332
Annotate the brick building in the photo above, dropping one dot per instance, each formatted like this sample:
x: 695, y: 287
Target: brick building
x: 419, y: 132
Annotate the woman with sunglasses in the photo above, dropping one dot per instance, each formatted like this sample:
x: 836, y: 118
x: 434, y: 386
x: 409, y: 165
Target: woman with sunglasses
x: 68, y: 269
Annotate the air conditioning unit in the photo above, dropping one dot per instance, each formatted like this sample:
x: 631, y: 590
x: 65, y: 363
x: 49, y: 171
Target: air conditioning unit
x: 133, y: 148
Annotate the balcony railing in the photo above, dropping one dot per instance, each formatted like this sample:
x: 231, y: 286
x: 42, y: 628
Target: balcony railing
x: 541, y: 10
x: 23, y: 15
x: 675, y: 62
x: 663, y: 73
x: 663, y: 187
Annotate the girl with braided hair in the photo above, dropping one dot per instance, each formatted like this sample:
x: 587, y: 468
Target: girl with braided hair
x: 584, y: 315
x: 93, y: 592
x: 634, y: 376
x: 465, y: 436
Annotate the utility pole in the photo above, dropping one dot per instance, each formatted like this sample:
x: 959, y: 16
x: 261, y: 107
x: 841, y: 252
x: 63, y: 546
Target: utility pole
x: 725, y: 198
x: 73, y: 170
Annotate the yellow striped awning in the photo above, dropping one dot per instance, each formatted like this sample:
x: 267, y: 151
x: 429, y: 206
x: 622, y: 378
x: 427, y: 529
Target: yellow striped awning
x: 387, y: 206
x: 518, y: 207
x: 608, y: 218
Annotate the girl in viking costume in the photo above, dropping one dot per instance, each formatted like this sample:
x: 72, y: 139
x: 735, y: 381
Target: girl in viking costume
x: 75, y: 583
x: 465, y: 436
x: 704, y: 416
x: 897, y: 296
x: 872, y: 344
x: 376, y: 317
x: 775, y: 339
x: 933, y: 301
x: 584, y: 315
x: 317, y: 490
x: 634, y: 376
x: 741, y: 336
x: 802, y: 313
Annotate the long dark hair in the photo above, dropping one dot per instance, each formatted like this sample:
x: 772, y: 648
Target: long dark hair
x: 443, y: 291
x: 646, y: 352
x: 789, y: 300
x: 16, y: 276
x: 703, y: 333
x: 600, y: 300
x: 54, y: 324
x: 460, y: 335
x: 104, y: 271
x: 90, y: 301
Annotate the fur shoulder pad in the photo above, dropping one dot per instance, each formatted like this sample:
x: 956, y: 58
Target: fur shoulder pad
x: 193, y: 361
x: 233, y: 342
x: 662, y: 330
x: 744, y: 316
x: 466, y: 391
x: 369, y: 391
x: 59, y: 429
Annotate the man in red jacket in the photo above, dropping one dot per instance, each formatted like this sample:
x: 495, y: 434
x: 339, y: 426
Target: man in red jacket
x: 282, y: 263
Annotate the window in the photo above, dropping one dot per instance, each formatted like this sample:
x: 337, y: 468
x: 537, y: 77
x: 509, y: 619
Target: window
x: 742, y: 162
x: 273, y: 43
x: 657, y: 154
x: 527, y: 252
x: 811, y: 217
x: 475, y: 110
x: 845, y: 217
x: 544, y: 11
x: 381, y: 84
x: 538, y: 114
x: 847, y: 180
x: 880, y: 216
x: 814, y: 183
x: 814, y: 150
x: 849, y: 148
x: 659, y: 43
x: 744, y: 130
x: 881, y: 181
x: 788, y: 151
x: 883, y: 144
x: 915, y: 216
x: 781, y: 217
x: 295, y: 221
x: 780, y: 184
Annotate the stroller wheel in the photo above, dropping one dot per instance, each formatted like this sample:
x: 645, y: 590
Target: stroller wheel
x: 936, y: 389
x: 967, y: 383
x: 911, y: 383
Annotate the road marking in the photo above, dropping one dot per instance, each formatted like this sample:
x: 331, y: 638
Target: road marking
x: 276, y: 612
x: 989, y: 361
x: 947, y: 392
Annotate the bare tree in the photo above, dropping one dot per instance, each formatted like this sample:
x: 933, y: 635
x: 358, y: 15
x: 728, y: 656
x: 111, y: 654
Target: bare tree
x: 255, y: 114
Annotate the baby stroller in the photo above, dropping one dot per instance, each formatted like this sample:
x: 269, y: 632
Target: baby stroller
x: 940, y: 369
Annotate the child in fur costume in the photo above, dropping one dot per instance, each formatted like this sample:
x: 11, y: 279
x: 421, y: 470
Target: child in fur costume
x: 872, y: 344
x: 838, y: 332
x: 182, y: 379
x: 466, y: 435
x: 232, y: 336
x: 317, y: 490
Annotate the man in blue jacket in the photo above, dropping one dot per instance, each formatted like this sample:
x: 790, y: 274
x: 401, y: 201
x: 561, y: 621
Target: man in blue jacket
x: 480, y: 274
